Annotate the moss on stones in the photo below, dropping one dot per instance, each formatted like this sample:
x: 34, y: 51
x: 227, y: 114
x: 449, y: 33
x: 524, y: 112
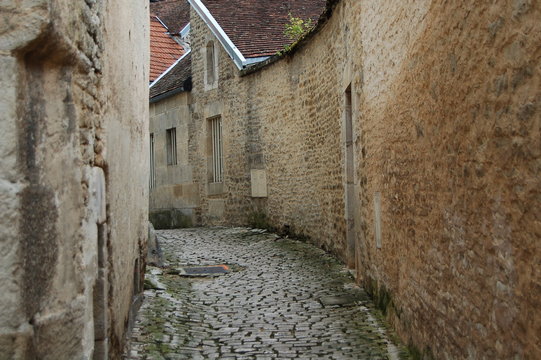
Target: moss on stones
x: 170, y: 219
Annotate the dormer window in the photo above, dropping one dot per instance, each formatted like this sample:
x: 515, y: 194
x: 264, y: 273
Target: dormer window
x: 211, y: 68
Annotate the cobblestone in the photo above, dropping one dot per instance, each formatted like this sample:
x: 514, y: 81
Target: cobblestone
x: 268, y: 307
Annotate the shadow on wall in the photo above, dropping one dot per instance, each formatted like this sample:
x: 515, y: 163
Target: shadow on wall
x: 170, y: 219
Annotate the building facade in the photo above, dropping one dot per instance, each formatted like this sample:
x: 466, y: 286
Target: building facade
x: 174, y: 198
x: 73, y: 179
x: 402, y: 137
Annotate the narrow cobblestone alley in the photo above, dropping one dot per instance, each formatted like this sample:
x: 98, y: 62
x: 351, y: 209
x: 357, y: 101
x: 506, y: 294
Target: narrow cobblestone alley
x: 280, y: 299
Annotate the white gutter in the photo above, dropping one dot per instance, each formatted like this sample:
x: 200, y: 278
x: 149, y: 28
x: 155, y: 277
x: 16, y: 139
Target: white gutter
x: 185, y: 30
x: 256, y: 60
x: 217, y: 30
x: 169, y: 69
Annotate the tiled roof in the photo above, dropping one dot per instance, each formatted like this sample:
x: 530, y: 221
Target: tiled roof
x: 178, y: 77
x: 164, y: 51
x: 175, y: 14
x: 256, y: 27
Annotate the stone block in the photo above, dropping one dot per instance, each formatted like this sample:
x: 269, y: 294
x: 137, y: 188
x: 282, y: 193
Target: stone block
x: 191, y: 194
x: 17, y: 345
x: 97, y: 202
x: 101, y: 321
x: 8, y: 107
x: 259, y: 183
x: 216, y: 208
x: 59, y: 335
x: 102, y: 246
x: 154, y: 251
x: 216, y: 188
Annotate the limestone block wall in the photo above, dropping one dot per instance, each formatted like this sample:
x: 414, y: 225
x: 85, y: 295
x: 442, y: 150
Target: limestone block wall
x: 230, y: 201
x: 126, y: 57
x: 450, y: 115
x: 174, y: 187
x: 285, y: 119
x: 72, y: 221
x: 445, y: 138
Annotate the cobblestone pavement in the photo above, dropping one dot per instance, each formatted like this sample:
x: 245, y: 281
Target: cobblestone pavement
x: 282, y: 299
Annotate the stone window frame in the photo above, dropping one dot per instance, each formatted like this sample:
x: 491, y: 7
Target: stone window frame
x: 152, y: 179
x: 211, y: 43
x: 216, y: 175
x: 215, y: 155
x: 171, y: 146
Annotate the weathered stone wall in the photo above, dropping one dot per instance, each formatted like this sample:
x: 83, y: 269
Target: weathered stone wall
x: 174, y: 199
x: 450, y: 116
x: 73, y: 175
x: 284, y: 120
x: 125, y: 83
x: 229, y: 202
x: 446, y: 150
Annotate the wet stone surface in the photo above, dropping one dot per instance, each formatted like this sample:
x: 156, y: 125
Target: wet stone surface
x: 281, y: 299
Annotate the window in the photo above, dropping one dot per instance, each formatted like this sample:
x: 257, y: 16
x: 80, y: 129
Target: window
x: 211, y: 66
x: 171, y: 146
x: 210, y: 63
x: 217, y: 149
x: 152, y: 165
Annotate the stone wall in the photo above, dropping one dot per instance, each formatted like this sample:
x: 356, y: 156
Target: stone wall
x: 451, y: 122
x: 444, y: 193
x: 72, y: 222
x: 282, y: 120
x: 174, y: 197
x: 228, y: 202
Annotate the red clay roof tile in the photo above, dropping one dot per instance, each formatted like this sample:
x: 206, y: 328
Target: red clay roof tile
x: 176, y: 78
x: 257, y: 27
x: 164, y: 51
x: 175, y: 14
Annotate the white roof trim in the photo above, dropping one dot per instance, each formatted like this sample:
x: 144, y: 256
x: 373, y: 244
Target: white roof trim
x: 169, y: 69
x: 255, y: 60
x: 217, y: 30
x: 161, y: 22
x: 185, y: 30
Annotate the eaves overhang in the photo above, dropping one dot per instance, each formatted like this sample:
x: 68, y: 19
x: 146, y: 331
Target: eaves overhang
x: 322, y: 21
x: 167, y: 94
x: 169, y: 69
x: 235, y: 54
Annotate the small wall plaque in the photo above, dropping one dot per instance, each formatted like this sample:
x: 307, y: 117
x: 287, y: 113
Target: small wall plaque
x: 259, y: 183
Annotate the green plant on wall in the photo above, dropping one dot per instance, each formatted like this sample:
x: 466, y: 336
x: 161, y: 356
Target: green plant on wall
x: 296, y: 29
